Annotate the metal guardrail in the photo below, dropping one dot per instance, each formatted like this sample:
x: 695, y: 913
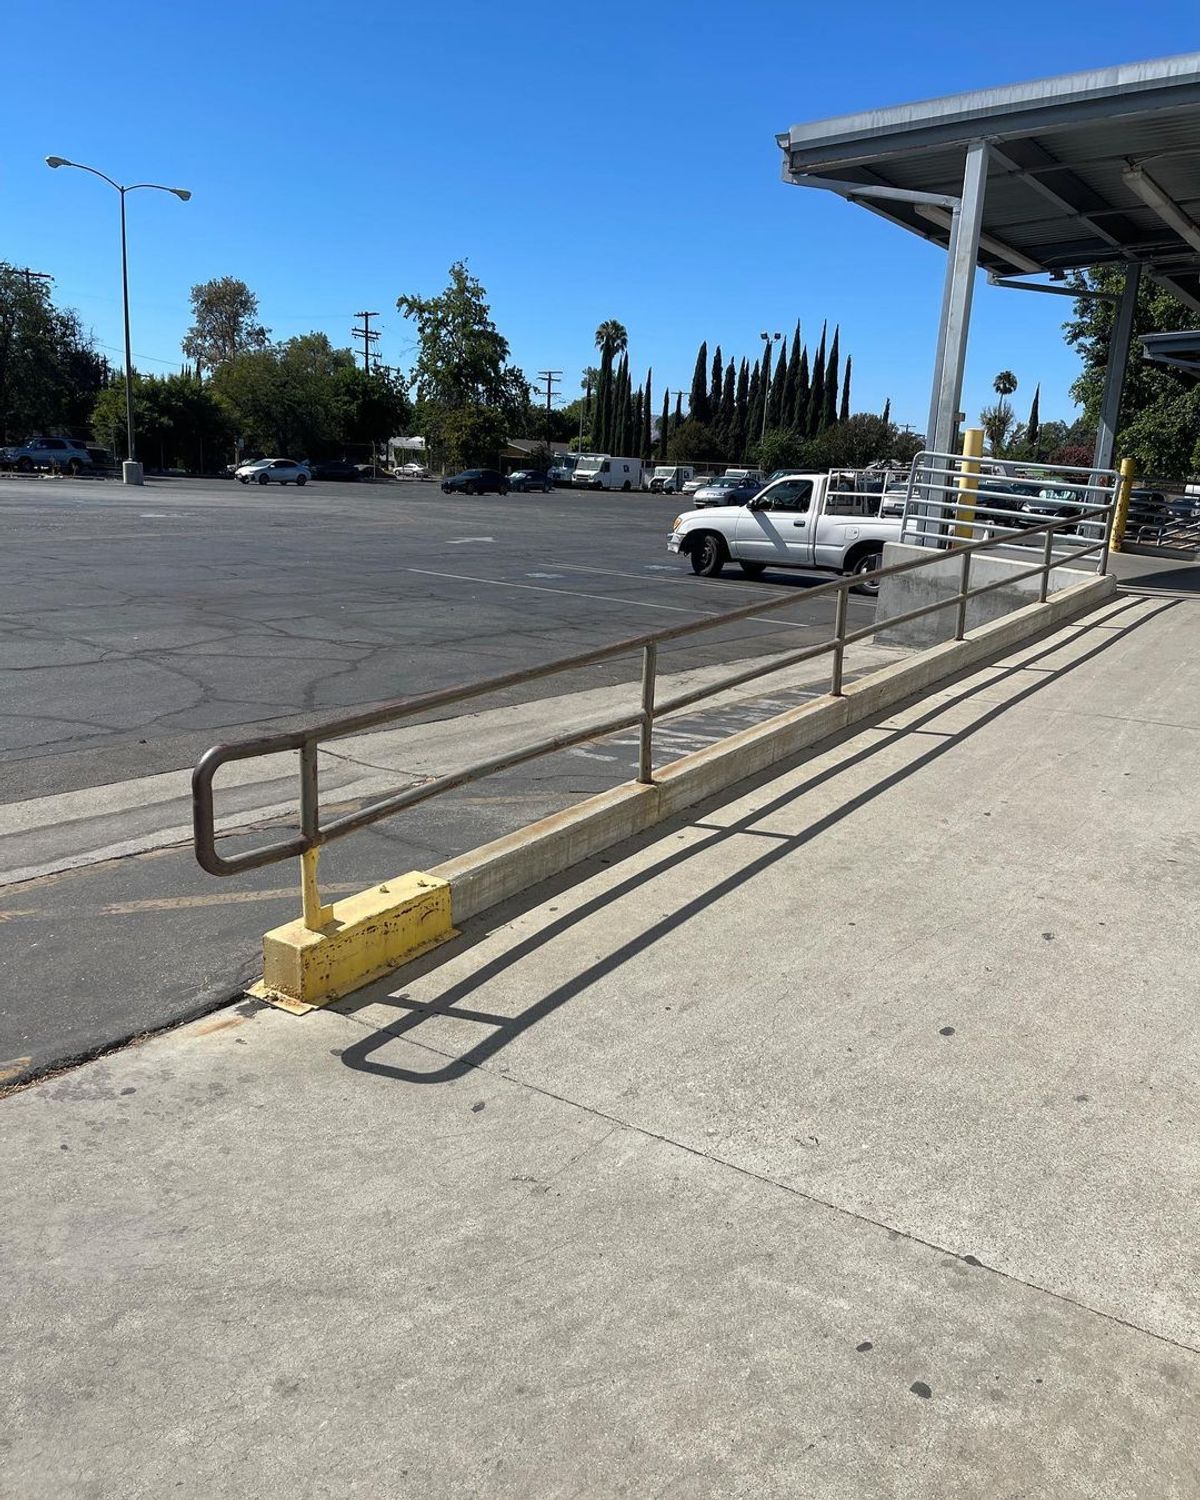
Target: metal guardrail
x: 314, y: 832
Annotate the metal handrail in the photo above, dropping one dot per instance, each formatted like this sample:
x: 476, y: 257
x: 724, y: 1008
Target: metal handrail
x: 313, y: 833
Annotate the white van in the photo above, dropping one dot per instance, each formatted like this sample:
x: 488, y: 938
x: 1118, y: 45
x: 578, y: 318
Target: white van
x: 600, y: 471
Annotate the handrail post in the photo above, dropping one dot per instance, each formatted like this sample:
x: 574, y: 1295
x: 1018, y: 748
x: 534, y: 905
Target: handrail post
x: 314, y: 915
x: 839, y: 650
x: 1115, y: 535
x: 646, y: 738
x: 1046, y: 562
x: 960, y: 628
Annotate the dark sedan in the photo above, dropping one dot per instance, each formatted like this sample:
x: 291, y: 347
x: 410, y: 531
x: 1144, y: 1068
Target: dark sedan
x: 476, y: 482
x: 530, y: 479
x: 334, y: 468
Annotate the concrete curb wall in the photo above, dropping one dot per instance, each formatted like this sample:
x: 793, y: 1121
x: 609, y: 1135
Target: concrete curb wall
x: 942, y: 579
x: 491, y: 874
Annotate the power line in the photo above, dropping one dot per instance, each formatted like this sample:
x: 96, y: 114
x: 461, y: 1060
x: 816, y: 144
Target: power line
x: 368, y: 336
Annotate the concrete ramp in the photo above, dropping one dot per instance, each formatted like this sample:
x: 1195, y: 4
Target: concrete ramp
x: 838, y: 1140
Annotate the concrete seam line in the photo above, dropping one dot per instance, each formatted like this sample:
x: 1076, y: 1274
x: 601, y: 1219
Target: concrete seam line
x: 484, y: 877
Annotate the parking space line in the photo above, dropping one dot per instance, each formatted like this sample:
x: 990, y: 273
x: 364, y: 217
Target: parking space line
x: 539, y: 588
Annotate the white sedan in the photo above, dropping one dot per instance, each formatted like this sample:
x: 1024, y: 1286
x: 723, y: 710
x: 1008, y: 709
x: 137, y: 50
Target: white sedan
x: 273, y: 471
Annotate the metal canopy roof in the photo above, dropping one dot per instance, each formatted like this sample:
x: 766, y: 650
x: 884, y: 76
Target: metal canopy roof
x: 1082, y: 169
x: 1180, y: 351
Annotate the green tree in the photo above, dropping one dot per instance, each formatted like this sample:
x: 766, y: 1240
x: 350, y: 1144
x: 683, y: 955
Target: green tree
x: 780, y: 448
x: 741, y: 412
x: 1033, y: 426
x: 698, y: 410
x: 694, y: 442
x: 288, y: 399
x: 664, y: 427
x: 647, y: 445
x: 802, y: 394
x: 714, y: 387
x: 726, y: 424
x: 224, y: 323
x: 180, y: 422
x: 754, y: 398
x: 816, y: 397
x: 844, y: 414
x: 468, y: 395
x: 829, y: 405
x: 998, y: 421
x: 369, y: 408
x: 788, y: 418
x: 1005, y: 383
x: 777, y: 416
x: 1159, y: 423
x: 50, y: 374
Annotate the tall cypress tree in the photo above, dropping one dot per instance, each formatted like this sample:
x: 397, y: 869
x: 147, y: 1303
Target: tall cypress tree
x: 787, y: 415
x: 741, y: 411
x: 664, y: 427
x: 635, y: 423
x: 887, y: 412
x: 777, y: 417
x: 698, y: 405
x: 799, y: 418
x: 620, y: 424
x: 714, y: 387
x: 829, y: 415
x: 754, y: 406
x: 647, y: 418
x: 726, y: 421
x: 816, y: 399
x: 600, y: 425
x: 678, y: 417
x: 1033, y: 428
x: 844, y: 414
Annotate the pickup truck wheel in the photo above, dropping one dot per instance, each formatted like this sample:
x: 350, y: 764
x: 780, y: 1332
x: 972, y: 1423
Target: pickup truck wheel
x: 867, y: 563
x: 752, y: 569
x: 708, y: 555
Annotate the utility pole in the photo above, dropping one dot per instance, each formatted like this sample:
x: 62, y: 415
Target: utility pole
x: 368, y: 336
x: 28, y: 273
x: 549, y: 376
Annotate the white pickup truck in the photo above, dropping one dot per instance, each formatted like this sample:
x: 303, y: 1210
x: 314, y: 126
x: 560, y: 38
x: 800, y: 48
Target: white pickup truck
x: 806, y: 521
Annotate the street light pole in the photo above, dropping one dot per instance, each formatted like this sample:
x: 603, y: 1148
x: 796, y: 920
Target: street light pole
x: 131, y: 470
x: 129, y: 441
x: 766, y: 377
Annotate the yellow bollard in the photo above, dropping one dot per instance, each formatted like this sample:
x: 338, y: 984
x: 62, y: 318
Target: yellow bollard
x: 968, y: 488
x: 1121, y: 509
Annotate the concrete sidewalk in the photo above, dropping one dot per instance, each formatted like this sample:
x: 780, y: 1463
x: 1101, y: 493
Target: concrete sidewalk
x: 837, y: 1141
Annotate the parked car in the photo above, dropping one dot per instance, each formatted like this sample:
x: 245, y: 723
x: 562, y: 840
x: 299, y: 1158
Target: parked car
x: 334, y: 468
x: 476, y: 482
x: 102, y: 460
x: 696, y: 482
x: 272, y: 471
x: 727, y: 491
x: 530, y: 479
x: 412, y: 471
x: 797, y: 522
x: 58, y: 454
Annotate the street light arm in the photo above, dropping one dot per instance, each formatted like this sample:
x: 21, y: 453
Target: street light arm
x: 182, y: 193
x: 58, y: 161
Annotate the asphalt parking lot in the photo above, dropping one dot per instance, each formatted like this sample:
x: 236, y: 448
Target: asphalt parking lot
x: 138, y: 626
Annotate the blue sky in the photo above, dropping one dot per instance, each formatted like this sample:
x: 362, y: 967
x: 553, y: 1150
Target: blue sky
x: 590, y: 161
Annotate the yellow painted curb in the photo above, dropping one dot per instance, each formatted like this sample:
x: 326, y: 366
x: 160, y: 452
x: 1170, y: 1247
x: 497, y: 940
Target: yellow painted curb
x: 367, y: 936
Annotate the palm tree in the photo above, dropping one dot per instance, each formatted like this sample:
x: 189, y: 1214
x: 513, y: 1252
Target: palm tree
x: 1005, y: 383
x: 611, y: 337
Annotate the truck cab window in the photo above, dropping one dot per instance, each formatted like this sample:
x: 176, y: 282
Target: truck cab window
x: 792, y: 495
